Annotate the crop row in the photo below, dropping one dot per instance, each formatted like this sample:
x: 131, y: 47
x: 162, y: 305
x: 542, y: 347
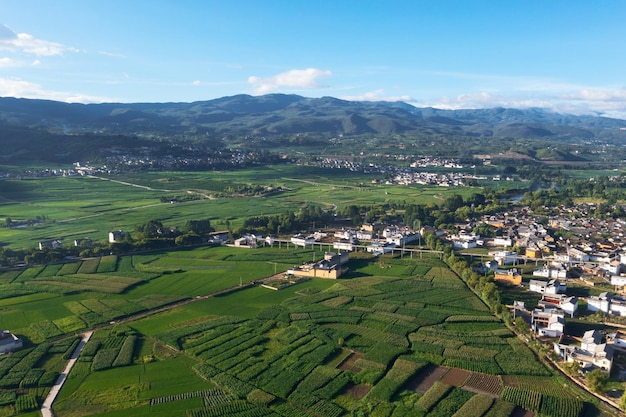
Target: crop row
x: 89, y: 266
x: 433, y: 396
x: 528, y: 400
x: 172, y: 337
x: 470, y: 352
x: 511, y: 364
x: 233, y: 409
x: 560, y: 407
x: 484, y: 366
x: 107, y: 264
x: 484, y: 383
x: 206, y: 393
x: 27, y: 402
x: 544, y: 385
x: 401, y: 371
x: 125, y: 355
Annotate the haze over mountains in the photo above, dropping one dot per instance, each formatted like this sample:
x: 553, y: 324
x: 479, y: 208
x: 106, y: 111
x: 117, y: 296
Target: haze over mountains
x: 280, y: 114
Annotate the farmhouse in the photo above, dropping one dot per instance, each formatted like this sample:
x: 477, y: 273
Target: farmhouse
x: 117, y: 236
x: 592, y: 353
x: 378, y: 248
x: 301, y: 240
x: 9, y: 342
x: 50, y: 244
x: 83, y: 241
x: 568, y: 304
x: 547, y: 287
x: 549, y: 272
x: 332, y: 267
x: 504, y: 257
x: 548, y: 322
x: 344, y: 245
x: 218, y: 238
x: 533, y: 252
x: 608, y: 303
x: 508, y: 276
x: 247, y: 241
x: 618, y: 280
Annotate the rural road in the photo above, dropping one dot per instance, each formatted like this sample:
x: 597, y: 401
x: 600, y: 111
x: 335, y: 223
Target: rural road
x: 46, y: 408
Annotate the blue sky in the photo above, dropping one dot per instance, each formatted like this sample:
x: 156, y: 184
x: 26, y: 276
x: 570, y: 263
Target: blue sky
x: 568, y: 56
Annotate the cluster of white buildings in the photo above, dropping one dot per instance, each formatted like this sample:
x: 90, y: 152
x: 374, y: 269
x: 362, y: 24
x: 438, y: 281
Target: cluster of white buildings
x: 381, y: 238
x: 607, y: 303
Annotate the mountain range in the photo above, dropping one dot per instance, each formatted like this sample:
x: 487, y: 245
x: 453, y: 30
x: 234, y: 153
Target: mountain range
x: 281, y: 114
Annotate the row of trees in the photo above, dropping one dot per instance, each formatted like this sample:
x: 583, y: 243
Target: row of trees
x: 148, y: 236
x: 308, y: 217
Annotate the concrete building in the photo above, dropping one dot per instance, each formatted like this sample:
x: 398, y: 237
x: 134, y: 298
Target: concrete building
x: 331, y: 267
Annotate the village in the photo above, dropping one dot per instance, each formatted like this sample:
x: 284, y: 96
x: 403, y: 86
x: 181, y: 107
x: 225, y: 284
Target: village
x: 524, y: 253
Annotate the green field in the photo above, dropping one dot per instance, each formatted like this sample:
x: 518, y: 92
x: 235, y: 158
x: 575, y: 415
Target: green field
x: 67, y: 208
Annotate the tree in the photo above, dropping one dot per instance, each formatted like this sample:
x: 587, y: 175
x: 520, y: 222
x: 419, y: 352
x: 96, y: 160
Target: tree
x: 596, y: 380
x: 521, y: 325
x: 453, y: 202
x: 572, y: 368
x: 200, y: 227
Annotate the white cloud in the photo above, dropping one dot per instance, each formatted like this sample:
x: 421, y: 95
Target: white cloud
x: 6, y: 62
x: 295, y: 78
x: 197, y: 83
x: 597, y: 101
x: 25, y: 43
x: 111, y: 54
x: 26, y: 89
x: 378, y: 95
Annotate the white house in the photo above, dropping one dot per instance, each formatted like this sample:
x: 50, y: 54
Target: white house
x: 577, y: 255
x: 547, y: 287
x: 548, y: 272
x: 618, y: 280
x: 9, y: 342
x: 548, y: 322
x: 618, y: 306
x: 502, y: 241
x: 614, y: 267
x: 505, y: 257
x: 364, y: 235
x: 344, y: 244
x: 378, y: 248
x: 301, y: 240
x: 464, y: 244
x: 50, y: 244
x: 601, y: 302
x: 117, y: 236
x: 591, y: 354
x: 569, y: 305
x: 607, y: 303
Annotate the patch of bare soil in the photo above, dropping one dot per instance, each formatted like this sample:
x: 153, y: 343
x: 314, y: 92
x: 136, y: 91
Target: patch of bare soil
x: 349, y: 363
x: 357, y: 391
x: 426, y: 378
x: 455, y: 377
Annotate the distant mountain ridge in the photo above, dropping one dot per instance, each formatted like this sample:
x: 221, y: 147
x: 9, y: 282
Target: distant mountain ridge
x: 284, y: 114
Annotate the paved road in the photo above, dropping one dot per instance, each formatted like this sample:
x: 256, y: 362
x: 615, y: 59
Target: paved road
x: 46, y: 408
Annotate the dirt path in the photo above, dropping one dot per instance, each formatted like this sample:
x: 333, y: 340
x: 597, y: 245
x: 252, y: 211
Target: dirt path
x: 46, y: 408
